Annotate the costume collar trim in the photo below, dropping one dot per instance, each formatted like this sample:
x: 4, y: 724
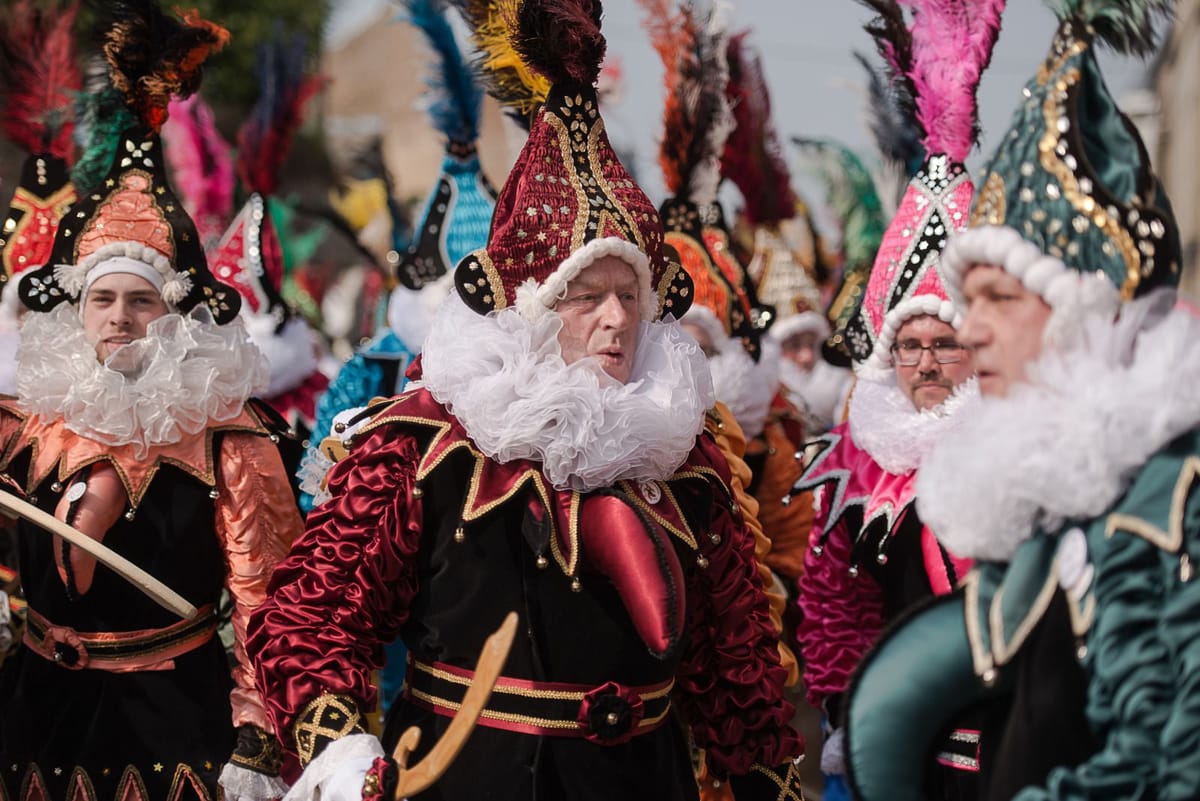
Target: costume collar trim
x: 55, y: 449
x: 493, y: 484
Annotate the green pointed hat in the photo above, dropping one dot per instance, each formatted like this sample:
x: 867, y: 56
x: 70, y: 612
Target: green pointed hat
x: 1069, y: 203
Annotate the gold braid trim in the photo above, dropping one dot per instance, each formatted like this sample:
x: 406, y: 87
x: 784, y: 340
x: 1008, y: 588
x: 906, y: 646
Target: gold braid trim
x: 326, y: 718
x: 257, y: 751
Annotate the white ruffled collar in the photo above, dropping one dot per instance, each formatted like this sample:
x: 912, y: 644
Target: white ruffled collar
x: 503, y: 377
x: 1066, y: 444
x: 747, y: 387
x: 897, y: 435
x: 186, y: 372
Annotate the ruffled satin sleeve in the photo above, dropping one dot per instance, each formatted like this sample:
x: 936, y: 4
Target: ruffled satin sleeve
x: 346, y: 587
x: 842, y: 615
x: 256, y: 521
x: 1144, y: 693
x: 732, y: 442
x: 731, y: 681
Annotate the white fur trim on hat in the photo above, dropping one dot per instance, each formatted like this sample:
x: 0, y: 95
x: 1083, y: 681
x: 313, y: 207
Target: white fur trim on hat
x: 1070, y: 294
x: 534, y: 301
x: 125, y: 257
x: 879, y: 364
x: 703, y: 318
x: 807, y: 321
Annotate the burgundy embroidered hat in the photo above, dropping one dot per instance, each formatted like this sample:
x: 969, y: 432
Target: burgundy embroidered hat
x: 568, y: 200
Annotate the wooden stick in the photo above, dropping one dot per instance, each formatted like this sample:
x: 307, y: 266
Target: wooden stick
x: 154, y: 589
x: 422, y: 775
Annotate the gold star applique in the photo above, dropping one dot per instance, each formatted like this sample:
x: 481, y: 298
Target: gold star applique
x: 158, y: 767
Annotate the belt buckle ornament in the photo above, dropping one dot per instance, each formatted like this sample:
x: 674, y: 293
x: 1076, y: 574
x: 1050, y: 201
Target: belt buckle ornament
x: 65, y: 648
x: 610, y: 714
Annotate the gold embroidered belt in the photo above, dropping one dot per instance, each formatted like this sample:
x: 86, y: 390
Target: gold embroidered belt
x: 119, y: 651
x: 607, y: 714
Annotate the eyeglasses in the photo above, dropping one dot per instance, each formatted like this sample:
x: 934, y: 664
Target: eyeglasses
x: 909, y: 352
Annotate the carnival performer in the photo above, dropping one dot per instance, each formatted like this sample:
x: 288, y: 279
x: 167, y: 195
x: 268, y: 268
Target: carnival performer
x: 549, y: 462
x: 820, y: 389
x: 132, y: 425
x: 871, y: 557
x: 726, y: 318
x: 40, y: 78
x: 1074, y: 486
x: 250, y: 256
x: 457, y: 215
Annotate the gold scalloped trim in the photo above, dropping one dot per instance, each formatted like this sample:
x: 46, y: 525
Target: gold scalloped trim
x: 1053, y: 111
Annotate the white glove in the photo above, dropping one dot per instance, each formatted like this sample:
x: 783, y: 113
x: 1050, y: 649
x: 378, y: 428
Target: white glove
x: 833, y: 754
x: 243, y: 784
x: 338, y: 773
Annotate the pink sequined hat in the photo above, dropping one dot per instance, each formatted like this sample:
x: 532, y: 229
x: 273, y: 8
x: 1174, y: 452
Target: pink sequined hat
x: 938, y: 61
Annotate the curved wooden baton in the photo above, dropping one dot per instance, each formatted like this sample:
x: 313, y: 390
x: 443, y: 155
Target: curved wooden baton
x: 154, y: 589
x: 422, y: 775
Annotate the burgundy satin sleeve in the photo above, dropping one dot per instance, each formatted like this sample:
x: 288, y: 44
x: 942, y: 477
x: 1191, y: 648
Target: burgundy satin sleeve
x: 257, y: 521
x: 842, y: 614
x: 731, y: 681
x: 345, y: 588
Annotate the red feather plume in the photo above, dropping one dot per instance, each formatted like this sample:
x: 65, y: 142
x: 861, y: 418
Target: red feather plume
x: 40, y: 78
x: 753, y: 158
x: 265, y: 138
x: 561, y: 39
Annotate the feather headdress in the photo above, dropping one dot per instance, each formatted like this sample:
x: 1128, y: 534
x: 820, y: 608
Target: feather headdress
x: 753, y: 158
x: 896, y: 132
x: 39, y: 77
x: 152, y: 57
x: 851, y: 195
x: 202, y: 166
x: 133, y: 213
x: 102, y: 115
x: 454, y: 96
x: 939, y: 62
x: 265, y: 138
x: 505, y: 72
x: 696, y: 116
x: 1127, y: 26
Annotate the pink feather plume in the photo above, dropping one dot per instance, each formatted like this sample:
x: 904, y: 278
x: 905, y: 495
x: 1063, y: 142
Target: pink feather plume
x: 202, y: 165
x: 952, y: 44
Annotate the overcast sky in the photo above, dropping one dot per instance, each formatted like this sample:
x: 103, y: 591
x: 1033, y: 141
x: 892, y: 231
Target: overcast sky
x: 817, y: 88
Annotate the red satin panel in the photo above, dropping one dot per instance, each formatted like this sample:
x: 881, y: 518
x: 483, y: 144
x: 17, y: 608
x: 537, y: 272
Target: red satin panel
x: 641, y: 563
x: 346, y: 586
x: 731, y: 680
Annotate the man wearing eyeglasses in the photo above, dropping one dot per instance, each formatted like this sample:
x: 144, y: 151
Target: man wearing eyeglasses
x: 870, y: 556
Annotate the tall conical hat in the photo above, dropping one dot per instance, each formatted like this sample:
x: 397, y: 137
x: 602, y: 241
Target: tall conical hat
x: 134, y: 216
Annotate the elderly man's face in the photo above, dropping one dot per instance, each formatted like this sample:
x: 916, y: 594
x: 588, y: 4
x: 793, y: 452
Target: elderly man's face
x: 600, y: 317
x: 801, y: 349
x: 928, y: 360
x: 117, y: 310
x: 1004, y: 326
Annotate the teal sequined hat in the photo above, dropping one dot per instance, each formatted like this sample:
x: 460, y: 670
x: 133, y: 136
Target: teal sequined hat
x: 1070, y: 204
x: 458, y: 213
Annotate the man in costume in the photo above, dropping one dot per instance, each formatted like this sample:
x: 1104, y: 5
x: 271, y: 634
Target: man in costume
x: 131, y: 424
x: 871, y: 557
x: 817, y: 387
x: 548, y: 462
x: 1074, y: 487
x: 40, y: 78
